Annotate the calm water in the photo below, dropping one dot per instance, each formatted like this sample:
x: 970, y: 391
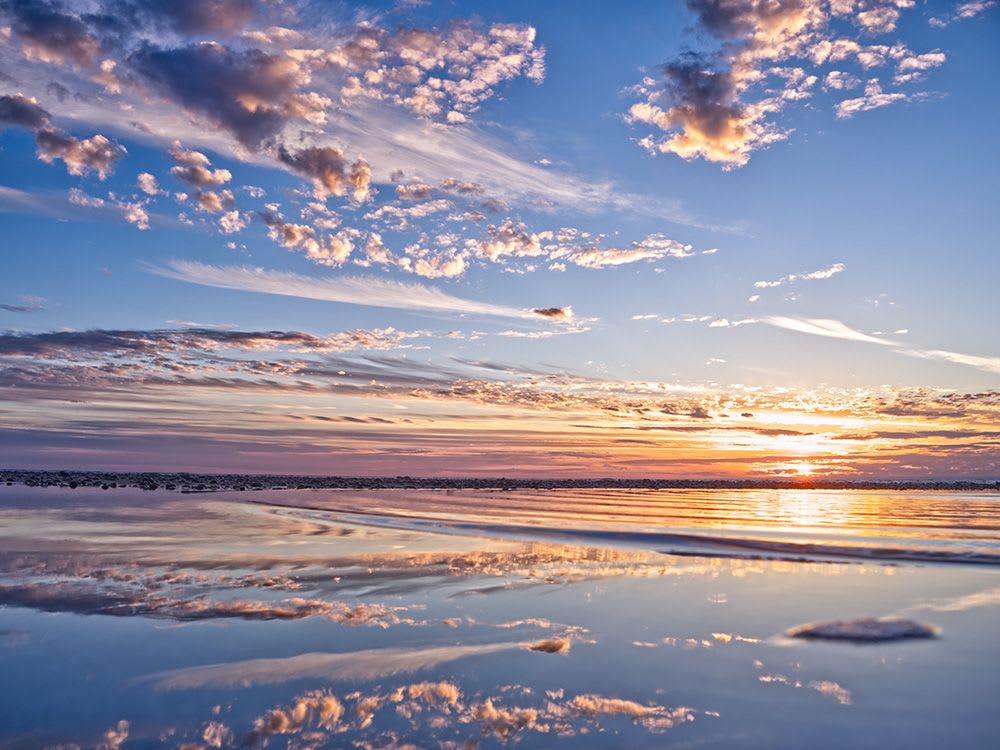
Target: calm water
x: 446, y: 620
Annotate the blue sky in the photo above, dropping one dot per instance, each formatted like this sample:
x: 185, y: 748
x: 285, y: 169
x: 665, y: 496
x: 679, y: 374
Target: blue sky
x: 551, y: 206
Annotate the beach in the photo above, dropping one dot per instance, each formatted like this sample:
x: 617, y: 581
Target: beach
x: 430, y: 619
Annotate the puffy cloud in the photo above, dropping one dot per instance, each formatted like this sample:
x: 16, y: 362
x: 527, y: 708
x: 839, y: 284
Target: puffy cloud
x: 232, y: 222
x: 653, y: 247
x: 441, y: 266
x: 442, y: 74
x: 135, y: 213
x: 708, y: 119
x: 194, y: 168
x: 329, y: 171
x: 720, y: 106
x: 879, y: 20
x: 873, y: 98
x: 213, y: 202
x: 969, y: 9
x: 839, y: 80
x: 114, y: 737
x: 331, y: 250
x: 96, y: 153
x: 510, y: 240
x: 912, y: 67
x: 147, y: 183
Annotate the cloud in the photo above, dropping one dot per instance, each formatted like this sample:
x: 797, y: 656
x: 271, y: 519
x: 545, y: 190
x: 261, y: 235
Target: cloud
x: 555, y: 313
x: 249, y: 93
x: 96, y: 153
x: 873, y: 98
x: 824, y: 327
x: 373, y: 292
x: 839, y: 330
x: 722, y: 105
x: 441, y: 74
x: 965, y: 10
x: 194, y: 168
x: 159, y: 342
x: 512, y: 240
x: 25, y: 304
x: 147, y: 183
x: 822, y: 273
x: 986, y: 364
x: 48, y: 35
x: 328, y: 169
x: 22, y: 111
x: 371, y: 664
x: 197, y: 16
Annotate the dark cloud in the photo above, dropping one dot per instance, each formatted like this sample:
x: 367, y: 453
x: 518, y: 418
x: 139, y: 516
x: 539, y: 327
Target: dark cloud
x: 96, y: 153
x: 249, y: 93
x: 555, y: 313
x: 28, y: 304
x: 57, y: 90
x: 23, y: 112
x: 49, y: 34
x: 327, y: 167
x: 199, y: 16
x: 74, y: 344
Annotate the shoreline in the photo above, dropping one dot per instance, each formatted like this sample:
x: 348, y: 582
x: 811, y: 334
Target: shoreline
x: 208, y: 482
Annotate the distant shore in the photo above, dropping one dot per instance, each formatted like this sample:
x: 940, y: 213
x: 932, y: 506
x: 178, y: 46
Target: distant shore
x: 192, y: 482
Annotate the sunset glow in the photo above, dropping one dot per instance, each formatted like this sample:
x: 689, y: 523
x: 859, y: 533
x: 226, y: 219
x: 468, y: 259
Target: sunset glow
x: 420, y: 239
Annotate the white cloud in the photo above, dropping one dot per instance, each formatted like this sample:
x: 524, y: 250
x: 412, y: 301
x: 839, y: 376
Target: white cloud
x: 356, y: 290
x: 824, y: 327
x: 822, y: 273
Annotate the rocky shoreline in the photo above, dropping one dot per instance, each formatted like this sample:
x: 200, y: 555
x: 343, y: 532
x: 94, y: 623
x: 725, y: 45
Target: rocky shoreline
x: 188, y: 482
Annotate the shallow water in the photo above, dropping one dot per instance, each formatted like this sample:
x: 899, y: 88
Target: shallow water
x: 340, y: 619
x: 816, y: 524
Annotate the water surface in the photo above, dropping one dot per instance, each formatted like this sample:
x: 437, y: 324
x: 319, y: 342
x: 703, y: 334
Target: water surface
x: 342, y: 619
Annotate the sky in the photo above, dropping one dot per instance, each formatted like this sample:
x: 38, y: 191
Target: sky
x: 712, y: 238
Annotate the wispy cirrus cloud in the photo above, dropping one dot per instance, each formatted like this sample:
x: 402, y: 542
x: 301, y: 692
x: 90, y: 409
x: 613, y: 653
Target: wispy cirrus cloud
x: 839, y: 330
x: 26, y: 303
x: 824, y: 327
x: 353, y: 290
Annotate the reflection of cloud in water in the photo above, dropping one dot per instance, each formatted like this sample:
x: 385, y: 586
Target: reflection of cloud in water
x: 82, y: 598
x: 354, y: 665
x: 690, y: 643
x: 441, y: 709
x: 824, y: 687
x: 986, y: 598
